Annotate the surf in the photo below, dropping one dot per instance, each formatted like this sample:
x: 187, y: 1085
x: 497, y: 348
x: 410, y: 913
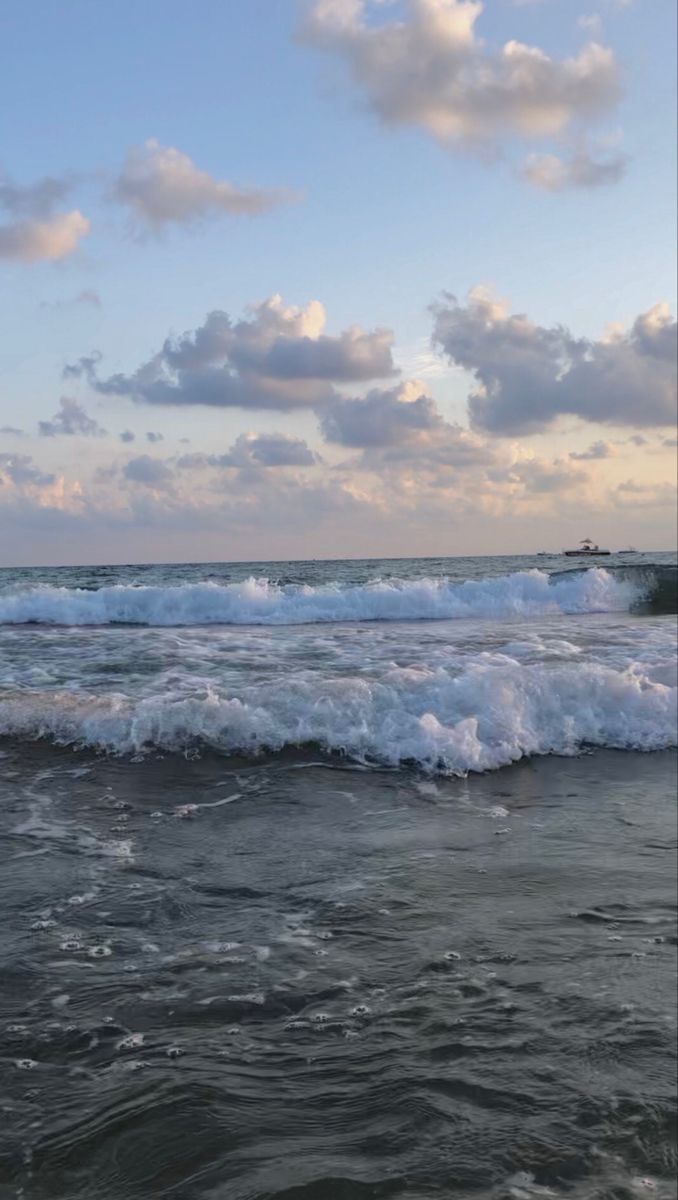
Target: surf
x: 261, y: 601
x: 484, y: 717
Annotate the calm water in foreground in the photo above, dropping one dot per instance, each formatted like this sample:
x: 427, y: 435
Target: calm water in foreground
x: 358, y: 883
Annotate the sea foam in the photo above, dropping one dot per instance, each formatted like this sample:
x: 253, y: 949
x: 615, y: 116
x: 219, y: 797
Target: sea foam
x: 485, y: 717
x: 261, y: 602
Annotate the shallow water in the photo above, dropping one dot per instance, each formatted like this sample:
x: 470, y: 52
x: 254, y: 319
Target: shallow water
x: 325, y: 983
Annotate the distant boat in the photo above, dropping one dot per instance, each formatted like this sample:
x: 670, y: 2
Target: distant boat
x: 544, y: 554
x: 588, y: 549
x: 631, y: 550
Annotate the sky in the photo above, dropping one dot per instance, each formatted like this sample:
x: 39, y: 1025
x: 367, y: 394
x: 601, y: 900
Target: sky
x: 335, y: 278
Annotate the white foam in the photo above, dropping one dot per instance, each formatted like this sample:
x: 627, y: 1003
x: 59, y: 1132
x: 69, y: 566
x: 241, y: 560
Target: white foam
x: 260, y: 602
x: 492, y: 713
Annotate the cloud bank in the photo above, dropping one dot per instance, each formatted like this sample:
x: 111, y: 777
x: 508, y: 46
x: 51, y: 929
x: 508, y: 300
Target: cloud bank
x: 409, y: 477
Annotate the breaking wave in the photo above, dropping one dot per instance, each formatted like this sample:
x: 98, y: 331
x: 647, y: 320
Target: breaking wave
x: 262, y: 602
x: 483, y: 718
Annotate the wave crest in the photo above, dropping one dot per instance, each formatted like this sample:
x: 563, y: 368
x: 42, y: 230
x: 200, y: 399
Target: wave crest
x: 261, y: 602
x: 484, y: 718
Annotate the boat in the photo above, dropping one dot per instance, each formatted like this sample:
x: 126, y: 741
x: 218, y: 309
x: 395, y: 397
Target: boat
x: 587, y: 549
x: 631, y: 550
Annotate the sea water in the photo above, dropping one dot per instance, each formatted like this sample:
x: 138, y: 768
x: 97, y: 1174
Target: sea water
x: 338, y: 880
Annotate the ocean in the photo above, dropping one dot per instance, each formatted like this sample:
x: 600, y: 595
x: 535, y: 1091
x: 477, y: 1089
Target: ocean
x: 339, y: 880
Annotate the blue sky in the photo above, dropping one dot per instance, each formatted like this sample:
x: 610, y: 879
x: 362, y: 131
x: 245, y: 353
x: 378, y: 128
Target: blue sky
x: 383, y: 219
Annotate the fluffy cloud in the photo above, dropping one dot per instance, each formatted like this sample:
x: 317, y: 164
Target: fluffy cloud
x: 19, y: 469
x: 71, y: 420
x: 446, y: 447
x: 432, y: 71
x: 385, y: 499
x: 404, y: 437
x: 528, y: 375
x: 37, y: 233
x: 29, y: 500
x: 53, y: 238
x: 150, y: 472
x: 554, y: 174
x: 275, y: 358
x: 382, y: 418
x: 257, y: 450
x: 161, y: 186
x: 539, y: 476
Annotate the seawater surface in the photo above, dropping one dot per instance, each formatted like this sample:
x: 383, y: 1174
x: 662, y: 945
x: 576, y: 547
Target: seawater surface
x: 328, y: 881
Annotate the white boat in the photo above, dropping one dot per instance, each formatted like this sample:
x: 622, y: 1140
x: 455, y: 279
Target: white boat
x: 587, y: 549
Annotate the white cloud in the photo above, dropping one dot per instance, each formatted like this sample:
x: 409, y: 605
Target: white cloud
x: 432, y: 71
x: 160, y: 186
x: 48, y: 240
x: 36, y: 233
x: 382, y: 418
x: 538, y: 476
x: 528, y: 375
x: 271, y: 495
x: 404, y: 437
x: 278, y: 357
x: 554, y: 174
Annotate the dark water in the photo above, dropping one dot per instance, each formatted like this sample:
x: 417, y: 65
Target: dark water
x: 327, y: 983
x: 339, y: 881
